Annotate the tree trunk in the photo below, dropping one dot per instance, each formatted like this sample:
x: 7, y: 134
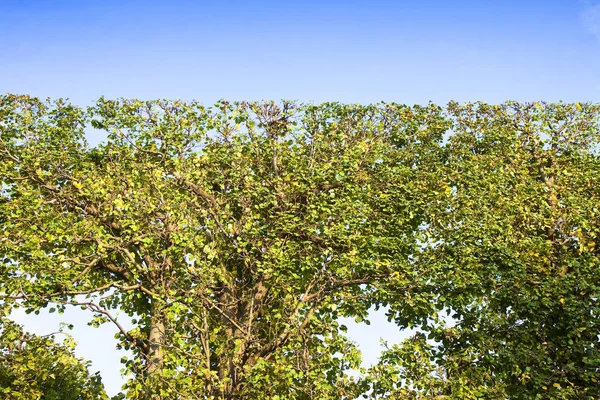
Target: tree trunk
x: 155, y: 356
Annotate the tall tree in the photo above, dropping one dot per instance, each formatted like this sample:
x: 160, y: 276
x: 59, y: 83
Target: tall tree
x: 233, y: 237
x: 512, y: 245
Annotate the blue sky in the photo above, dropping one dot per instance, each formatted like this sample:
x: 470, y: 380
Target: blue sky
x: 403, y: 51
x: 349, y: 51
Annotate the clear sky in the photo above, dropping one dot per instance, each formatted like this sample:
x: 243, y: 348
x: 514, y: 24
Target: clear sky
x: 349, y: 51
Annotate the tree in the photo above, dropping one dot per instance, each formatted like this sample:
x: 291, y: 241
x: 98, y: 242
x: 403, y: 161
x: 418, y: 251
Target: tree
x: 512, y: 245
x: 233, y: 237
x: 36, y: 368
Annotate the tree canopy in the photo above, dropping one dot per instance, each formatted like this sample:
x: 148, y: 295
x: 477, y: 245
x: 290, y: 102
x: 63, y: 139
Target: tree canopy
x: 236, y: 236
x: 513, y: 258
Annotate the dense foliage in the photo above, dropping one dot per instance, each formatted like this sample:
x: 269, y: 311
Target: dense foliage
x: 235, y: 237
x: 512, y: 252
